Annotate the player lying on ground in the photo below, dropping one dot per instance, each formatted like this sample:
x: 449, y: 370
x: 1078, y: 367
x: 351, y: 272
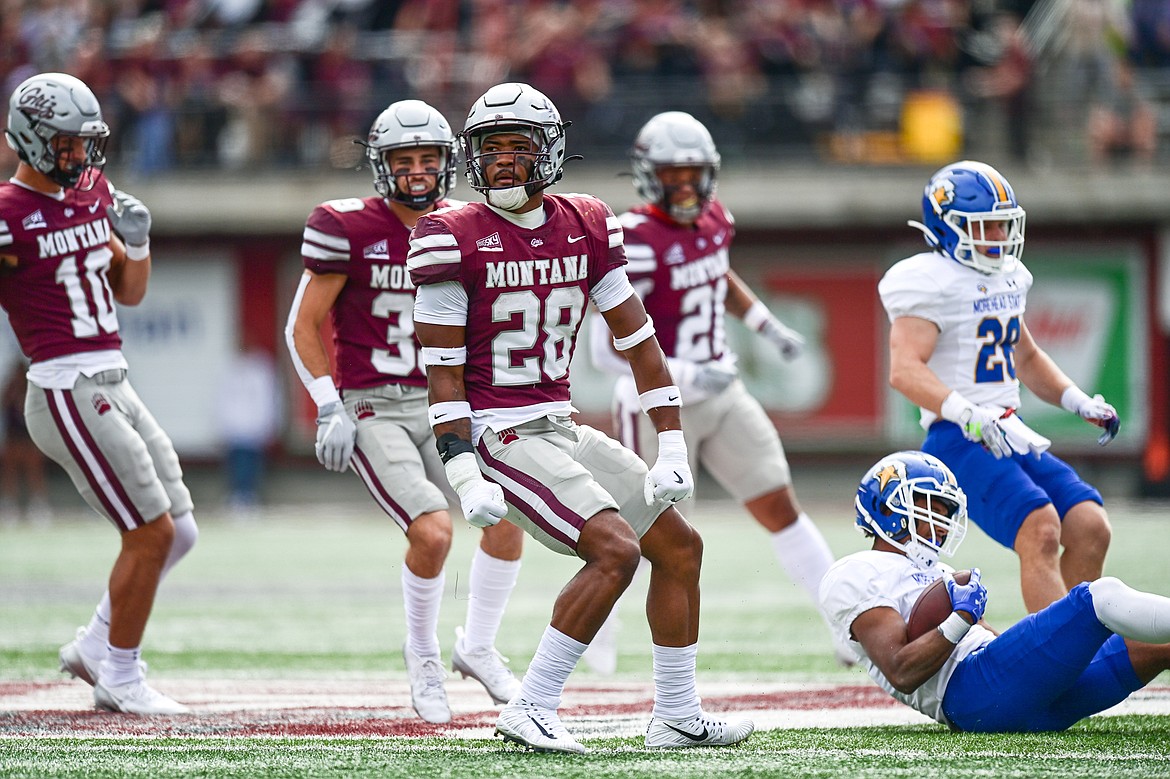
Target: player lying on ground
x: 1086, y: 652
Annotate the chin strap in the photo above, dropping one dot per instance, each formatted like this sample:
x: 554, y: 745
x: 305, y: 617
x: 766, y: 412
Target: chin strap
x: 931, y: 238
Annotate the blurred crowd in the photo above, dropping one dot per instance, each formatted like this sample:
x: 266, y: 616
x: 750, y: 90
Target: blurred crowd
x: 262, y: 83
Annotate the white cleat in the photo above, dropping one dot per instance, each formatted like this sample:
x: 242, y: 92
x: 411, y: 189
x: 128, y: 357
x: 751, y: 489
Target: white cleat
x: 426, y: 687
x: 699, y: 731
x: 75, y: 663
x: 488, y: 667
x: 536, y: 729
x: 137, y: 697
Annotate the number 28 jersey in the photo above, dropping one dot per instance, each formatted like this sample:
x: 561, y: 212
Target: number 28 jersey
x: 527, y: 290
x: 58, y: 296
x: 978, y: 316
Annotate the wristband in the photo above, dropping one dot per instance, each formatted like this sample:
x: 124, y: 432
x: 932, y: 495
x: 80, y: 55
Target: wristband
x: 953, y: 408
x: 323, y: 391
x: 636, y: 337
x: 449, y: 411
x: 451, y: 446
x: 433, y: 355
x: 954, y: 627
x: 138, y: 253
x: 1073, y: 398
x: 660, y: 396
x: 757, y: 316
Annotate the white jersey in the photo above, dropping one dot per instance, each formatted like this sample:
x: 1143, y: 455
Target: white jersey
x: 978, y: 316
x: 872, y: 579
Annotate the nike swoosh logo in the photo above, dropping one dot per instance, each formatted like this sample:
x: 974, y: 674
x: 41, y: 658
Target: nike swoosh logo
x: 672, y: 397
x: 678, y: 478
x: 446, y: 359
x: 692, y: 736
x: 334, y: 422
x: 439, y: 416
x: 575, y: 238
x: 550, y: 735
x: 94, y: 207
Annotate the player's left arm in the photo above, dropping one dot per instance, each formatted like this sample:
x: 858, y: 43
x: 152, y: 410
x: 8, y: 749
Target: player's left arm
x: 1040, y: 373
x: 906, y: 664
x: 743, y: 304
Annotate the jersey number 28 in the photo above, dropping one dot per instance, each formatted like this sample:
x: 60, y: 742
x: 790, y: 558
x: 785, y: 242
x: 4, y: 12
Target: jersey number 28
x: 997, y: 354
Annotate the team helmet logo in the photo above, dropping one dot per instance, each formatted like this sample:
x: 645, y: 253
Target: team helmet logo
x: 941, y: 193
x: 35, y: 103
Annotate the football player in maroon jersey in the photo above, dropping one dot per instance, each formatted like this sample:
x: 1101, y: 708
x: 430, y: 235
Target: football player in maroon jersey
x: 70, y: 247
x: 372, y: 408
x: 502, y: 289
x: 678, y: 245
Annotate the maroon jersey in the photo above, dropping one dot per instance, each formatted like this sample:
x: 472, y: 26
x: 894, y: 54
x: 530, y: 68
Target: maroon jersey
x: 58, y: 296
x: 526, y: 290
x: 680, y: 272
x: 373, y: 317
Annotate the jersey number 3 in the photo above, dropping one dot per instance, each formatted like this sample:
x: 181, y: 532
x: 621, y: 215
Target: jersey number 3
x: 997, y: 354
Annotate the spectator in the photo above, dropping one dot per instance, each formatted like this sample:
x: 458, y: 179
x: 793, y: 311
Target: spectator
x: 248, y: 410
x: 1123, y: 122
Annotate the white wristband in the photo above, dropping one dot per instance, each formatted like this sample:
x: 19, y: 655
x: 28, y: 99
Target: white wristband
x: 757, y: 316
x: 138, y: 253
x: 954, y: 406
x: 954, y: 627
x: 462, y: 469
x: 434, y: 355
x: 448, y: 411
x: 322, y: 390
x: 636, y: 337
x: 660, y: 396
x: 1073, y: 398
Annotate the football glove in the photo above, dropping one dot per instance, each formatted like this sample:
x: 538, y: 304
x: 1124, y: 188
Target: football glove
x: 1020, y: 437
x: 1094, y: 410
x: 130, y: 218
x: 970, y: 597
x: 788, y: 341
x: 482, y: 501
x: 336, y: 433
x: 670, y: 479
x: 713, y: 377
x: 979, y: 424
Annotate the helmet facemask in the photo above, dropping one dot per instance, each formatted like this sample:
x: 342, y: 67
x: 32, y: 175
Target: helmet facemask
x: 987, y: 255
x: 387, y: 180
x: 540, y: 168
x: 410, y: 124
x: 674, y: 139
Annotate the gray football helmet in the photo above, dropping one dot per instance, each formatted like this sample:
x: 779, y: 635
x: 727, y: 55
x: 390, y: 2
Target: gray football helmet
x: 410, y: 123
x: 520, y: 108
x: 677, y: 139
x: 51, y: 104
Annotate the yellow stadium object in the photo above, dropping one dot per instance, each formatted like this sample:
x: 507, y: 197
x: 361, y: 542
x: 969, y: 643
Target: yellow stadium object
x: 931, y: 127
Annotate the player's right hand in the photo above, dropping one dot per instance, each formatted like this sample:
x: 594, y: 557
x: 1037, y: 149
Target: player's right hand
x: 981, y: 425
x: 130, y: 218
x: 336, y: 433
x: 970, y: 597
x: 670, y: 479
x: 483, y: 503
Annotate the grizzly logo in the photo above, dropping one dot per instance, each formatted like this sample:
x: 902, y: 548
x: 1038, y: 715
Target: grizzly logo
x: 100, y: 404
x: 508, y: 436
x: 364, y: 409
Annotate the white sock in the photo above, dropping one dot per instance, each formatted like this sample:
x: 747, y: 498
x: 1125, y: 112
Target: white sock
x: 492, y: 581
x: 120, y: 667
x: 1137, y: 615
x: 803, y: 553
x: 675, y: 696
x: 422, y: 598
x: 555, y: 659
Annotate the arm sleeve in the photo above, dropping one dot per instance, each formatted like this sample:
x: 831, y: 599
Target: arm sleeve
x: 444, y: 303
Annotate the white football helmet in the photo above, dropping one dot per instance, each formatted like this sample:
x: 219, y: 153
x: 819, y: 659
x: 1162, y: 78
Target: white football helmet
x: 51, y: 104
x: 518, y: 108
x: 677, y: 139
x: 410, y: 123
x: 886, y: 506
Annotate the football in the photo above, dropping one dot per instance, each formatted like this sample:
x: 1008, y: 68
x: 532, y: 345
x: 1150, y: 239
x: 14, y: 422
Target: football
x: 932, y: 606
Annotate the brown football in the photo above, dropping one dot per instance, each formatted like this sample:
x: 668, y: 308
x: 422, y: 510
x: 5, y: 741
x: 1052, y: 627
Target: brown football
x: 932, y: 606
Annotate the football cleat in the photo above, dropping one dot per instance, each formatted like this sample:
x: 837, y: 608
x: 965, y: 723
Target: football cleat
x: 79, y: 665
x: 536, y: 729
x: 488, y: 667
x: 426, y: 687
x: 702, y: 730
x: 137, y: 697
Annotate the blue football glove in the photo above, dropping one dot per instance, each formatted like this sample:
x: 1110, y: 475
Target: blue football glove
x: 970, y: 597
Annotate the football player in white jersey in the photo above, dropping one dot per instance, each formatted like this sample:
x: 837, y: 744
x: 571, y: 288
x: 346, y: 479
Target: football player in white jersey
x: 678, y: 244
x: 959, y: 349
x: 1085, y: 652
x: 70, y: 247
x: 354, y: 254
x: 502, y: 291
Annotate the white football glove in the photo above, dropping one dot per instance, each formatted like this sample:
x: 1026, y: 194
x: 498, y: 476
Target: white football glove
x: 713, y: 377
x: 1094, y: 410
x: 979, y: 424
x: 788, y: 341
x: 670, y: 479
x: 336, y: 433
x: 482, y: 501
x: 1020, y: 437
x: 130, y: 218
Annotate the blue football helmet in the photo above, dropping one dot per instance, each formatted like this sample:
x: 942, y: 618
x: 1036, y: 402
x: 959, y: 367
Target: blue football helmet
x: 970, y: 214
x: 886, y: 506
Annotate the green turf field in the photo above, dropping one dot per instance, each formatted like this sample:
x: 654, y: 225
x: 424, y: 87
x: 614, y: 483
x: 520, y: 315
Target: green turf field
x: 309, y: 597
